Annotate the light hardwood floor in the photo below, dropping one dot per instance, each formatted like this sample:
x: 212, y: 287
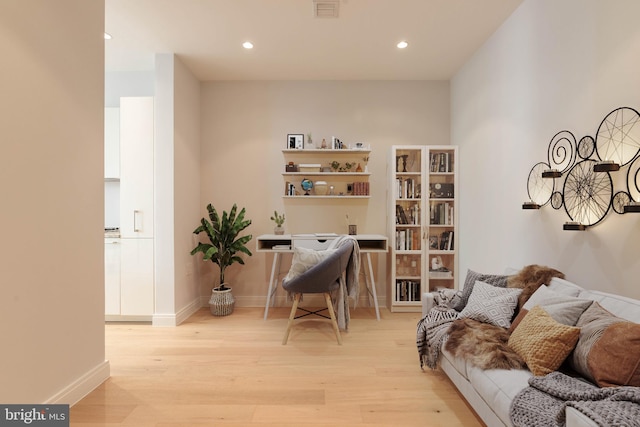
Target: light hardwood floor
x: 234, y: 371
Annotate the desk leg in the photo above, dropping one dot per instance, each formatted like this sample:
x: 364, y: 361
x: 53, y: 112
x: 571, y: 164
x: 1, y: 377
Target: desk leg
x: 274, y: 267
x: 371, y: 289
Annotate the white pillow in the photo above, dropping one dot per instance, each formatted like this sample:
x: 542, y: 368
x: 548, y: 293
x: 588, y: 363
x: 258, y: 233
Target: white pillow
x: 563, y: 309
x: 304, y: 259
x: 491, y: 304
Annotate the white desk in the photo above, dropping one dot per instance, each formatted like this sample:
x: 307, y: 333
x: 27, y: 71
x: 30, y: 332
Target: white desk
x: 281, y: 244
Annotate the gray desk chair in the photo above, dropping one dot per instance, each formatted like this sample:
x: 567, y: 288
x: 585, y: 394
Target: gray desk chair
x: 322, y: 278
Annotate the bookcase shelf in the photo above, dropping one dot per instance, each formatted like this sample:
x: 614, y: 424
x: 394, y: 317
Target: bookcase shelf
x: 422, y: 222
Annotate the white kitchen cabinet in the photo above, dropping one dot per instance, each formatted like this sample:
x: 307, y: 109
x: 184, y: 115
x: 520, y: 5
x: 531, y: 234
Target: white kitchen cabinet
x: 136, y: 167
x: 112, y: 276
x: 136, y: 278
x: 112, y: 143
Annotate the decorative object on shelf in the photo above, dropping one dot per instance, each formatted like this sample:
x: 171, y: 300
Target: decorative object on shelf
x: 309, y: 141
x: 291, y: 167
x: 224, y: 245
x: 295, y: 141
x: 401, y: 163
x: 359, y: 168
x: 336, y: 144
x: 321, y: 188
x: 588, y: 190
x: 335, y: 165
x: 324, y: 143
x: 306, y: 185
x: 279, y: 220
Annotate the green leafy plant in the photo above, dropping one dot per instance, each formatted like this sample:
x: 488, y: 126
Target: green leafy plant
x: 335, y: 165
x: 278, y: 219
x: 223, y: 235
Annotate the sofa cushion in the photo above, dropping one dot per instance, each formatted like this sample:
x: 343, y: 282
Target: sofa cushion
x: 304, y: 258
x: 498, y: 387
x: 542, y: 342
x: 491, y: 304
x: 627, y: 308
x: 499, y: 280
x: 459, y: 363
x: 563, y: 309
x: 608, y: 351
x: 564, y: 287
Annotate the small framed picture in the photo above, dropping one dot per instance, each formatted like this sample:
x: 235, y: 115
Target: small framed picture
x: 434, y: 242
x: 295, y: 141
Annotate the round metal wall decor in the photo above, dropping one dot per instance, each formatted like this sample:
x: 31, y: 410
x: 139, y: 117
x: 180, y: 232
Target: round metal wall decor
x: 586, y: 147
x: 620, y: 200
x: 587, y: 194
x: 562, y: 151
x: 633, y: 180
x: 539, y: 189
x: 618, y: 136
x: 556, y: 200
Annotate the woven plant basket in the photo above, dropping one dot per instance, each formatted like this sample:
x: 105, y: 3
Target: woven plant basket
x: 221, y: 302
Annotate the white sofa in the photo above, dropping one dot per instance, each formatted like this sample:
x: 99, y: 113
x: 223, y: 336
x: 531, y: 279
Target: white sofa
x: 490, y: 392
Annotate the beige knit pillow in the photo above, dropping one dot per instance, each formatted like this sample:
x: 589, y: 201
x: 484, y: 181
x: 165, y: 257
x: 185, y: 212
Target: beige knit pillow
x: 542, y: 342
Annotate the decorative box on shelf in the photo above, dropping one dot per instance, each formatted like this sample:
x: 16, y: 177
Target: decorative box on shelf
x: 309, y: 167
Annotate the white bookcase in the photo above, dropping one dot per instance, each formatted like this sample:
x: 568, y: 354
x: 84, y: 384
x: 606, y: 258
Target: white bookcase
x: 422, y: 222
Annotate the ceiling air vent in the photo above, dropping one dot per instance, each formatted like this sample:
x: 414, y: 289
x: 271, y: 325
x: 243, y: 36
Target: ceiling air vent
x: 326, y: 8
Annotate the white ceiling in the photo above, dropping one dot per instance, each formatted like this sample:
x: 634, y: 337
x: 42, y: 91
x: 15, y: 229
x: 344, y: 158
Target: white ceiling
x: 291, y: 44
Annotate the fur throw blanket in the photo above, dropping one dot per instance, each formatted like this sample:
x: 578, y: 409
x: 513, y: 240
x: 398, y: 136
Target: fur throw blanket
x: 485, y: 345
x: 482, y: 344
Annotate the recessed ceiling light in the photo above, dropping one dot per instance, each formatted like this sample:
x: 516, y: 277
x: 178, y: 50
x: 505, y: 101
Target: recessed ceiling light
x: 402, y: 44
x: 247, y: 45
x: 107, y: 36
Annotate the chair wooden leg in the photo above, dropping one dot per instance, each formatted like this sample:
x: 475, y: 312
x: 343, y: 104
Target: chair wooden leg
x: 334, y: 323
x: 294, y: 308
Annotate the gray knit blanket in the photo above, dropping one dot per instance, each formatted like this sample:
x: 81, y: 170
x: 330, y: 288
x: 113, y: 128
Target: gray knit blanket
x: 431, y: 331
x: 543, y: 403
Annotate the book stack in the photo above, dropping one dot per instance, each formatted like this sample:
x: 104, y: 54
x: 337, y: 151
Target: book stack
x: 407, y: 290
x: 441, y: 213
x: 360, y: 188
x: 440, y: 162
x: 407, y: 188
x: 409, y: 216
x: 408, y: 240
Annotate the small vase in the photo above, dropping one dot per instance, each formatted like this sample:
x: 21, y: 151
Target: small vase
x: 359, y: 168
x: 279, y: 230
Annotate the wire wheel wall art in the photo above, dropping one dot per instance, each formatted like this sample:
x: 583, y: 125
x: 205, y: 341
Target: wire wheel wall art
x: 582, y: 170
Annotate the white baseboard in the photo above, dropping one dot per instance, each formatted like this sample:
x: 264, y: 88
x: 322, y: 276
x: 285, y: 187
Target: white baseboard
x: 170, y: 320
x: 81, y: 387
x: 281, y: 301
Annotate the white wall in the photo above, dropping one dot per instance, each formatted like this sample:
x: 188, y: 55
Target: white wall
x: 177, y: 189
x: 51, y: 182
x: 244, y: 128
x: 551, y: 66
x: 187, y: 186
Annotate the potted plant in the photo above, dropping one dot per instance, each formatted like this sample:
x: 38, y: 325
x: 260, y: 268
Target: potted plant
x: 279, y: 220
x: 223, y: 249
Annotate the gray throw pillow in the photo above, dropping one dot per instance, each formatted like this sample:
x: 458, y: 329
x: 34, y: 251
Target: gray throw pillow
x: 499, y: 280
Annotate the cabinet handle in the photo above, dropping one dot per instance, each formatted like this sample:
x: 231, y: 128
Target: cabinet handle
x: 136, y: 229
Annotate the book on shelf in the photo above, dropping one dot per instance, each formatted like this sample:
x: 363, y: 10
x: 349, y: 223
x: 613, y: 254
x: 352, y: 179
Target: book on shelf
x: 440, y: 162
x: 407, y: 290
x: 361, y: 188
x: 407, y: 188
x: 441, y: 213
x: 407, y: 240
x: 446, y: 241
x: 411, y: 217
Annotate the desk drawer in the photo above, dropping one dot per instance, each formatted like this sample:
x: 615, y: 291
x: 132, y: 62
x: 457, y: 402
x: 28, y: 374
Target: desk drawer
x: 317, y: 243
